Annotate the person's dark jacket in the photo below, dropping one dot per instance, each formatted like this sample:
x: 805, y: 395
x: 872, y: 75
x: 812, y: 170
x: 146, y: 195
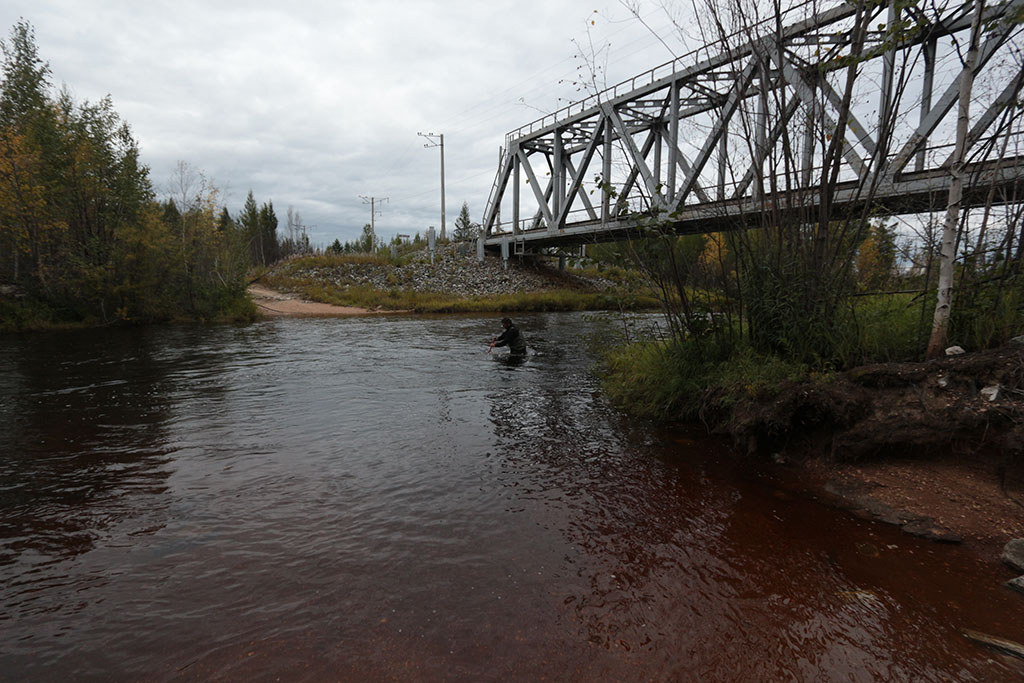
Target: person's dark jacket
x: 511, y: 338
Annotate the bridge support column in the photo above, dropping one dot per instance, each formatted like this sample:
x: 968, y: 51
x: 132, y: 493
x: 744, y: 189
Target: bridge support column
x: 504, y: 252
x: 515, y: 195
x: 480, y: 249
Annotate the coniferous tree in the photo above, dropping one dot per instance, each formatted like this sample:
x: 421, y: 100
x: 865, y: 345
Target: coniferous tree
x: 224, y: 221
x: 249, y: 221
x: 268, y: 233
x: 465, y: 228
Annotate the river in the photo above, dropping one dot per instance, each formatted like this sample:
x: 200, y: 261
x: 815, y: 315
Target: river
x: 380, y: 499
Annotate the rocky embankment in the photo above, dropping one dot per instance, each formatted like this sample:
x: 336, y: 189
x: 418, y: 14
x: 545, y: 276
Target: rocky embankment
x: 455, y: 271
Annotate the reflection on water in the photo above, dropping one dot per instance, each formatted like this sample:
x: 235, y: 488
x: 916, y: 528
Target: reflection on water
x: 382, y: 499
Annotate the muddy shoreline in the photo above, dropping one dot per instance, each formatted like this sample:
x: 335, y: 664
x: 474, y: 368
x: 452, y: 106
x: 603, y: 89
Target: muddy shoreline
x: 936, y: 448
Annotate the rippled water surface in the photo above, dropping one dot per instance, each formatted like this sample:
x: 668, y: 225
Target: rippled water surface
x: 378, y: 499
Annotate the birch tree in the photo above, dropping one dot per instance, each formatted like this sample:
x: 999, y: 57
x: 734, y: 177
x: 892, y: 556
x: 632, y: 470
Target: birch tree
x: 950, y: 231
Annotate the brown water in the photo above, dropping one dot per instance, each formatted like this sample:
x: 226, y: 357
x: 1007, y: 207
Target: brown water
x: 379, y: 500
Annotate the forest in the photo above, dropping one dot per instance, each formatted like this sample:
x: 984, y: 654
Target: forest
x: 83, y: 236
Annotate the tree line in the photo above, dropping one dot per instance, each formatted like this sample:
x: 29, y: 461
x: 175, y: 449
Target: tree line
x: 83, y: 236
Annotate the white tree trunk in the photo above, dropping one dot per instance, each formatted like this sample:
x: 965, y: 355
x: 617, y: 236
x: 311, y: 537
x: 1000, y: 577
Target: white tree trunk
x: 947, y: 252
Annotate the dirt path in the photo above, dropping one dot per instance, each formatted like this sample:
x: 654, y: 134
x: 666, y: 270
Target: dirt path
x: 278, y: 304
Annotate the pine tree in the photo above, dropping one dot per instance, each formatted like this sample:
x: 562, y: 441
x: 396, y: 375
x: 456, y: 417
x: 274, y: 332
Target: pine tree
x: 249, y: 221
x: 268, y: 233
x: 465, y: 228
x: 224, y: 221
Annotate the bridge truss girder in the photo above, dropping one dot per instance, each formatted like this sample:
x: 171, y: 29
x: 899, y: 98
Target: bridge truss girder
x: 770, y: 121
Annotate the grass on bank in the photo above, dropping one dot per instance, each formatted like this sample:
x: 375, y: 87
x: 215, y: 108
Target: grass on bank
x: 673, y: 380
x: 687, y: 379
x: 396, y: 299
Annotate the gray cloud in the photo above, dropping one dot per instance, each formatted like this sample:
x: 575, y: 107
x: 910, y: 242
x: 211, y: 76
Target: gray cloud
x: 313, y: 104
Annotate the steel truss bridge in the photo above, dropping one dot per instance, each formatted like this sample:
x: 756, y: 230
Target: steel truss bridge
x: 708, y: 140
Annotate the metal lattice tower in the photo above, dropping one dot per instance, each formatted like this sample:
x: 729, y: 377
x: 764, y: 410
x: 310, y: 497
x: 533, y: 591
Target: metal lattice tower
x: 850, y: 109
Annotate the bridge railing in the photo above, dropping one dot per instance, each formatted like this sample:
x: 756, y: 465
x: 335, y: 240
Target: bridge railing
x: 645, y: 78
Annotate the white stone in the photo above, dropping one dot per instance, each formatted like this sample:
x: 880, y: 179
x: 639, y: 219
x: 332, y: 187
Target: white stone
x: 942, y: 381
x: 990, y: 393
x: 955, y: 351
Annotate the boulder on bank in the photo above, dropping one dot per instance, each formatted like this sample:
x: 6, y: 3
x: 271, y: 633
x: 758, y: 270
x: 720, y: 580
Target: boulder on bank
x: 1013, y: 554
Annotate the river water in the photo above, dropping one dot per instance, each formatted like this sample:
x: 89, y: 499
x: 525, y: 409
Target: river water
x: 379, y: 499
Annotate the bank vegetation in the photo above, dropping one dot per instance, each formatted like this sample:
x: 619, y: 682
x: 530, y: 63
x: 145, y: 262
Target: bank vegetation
x: 84, y: 239
x: 788, y: 303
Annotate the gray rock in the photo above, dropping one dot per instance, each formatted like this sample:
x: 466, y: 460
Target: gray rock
x: 1016, y: 584
x: 943, y: 382
x: 955, y: 351
x: 927, y: 528
x: 1013, y: 554
x: 1018, y: 340
x: 991, y: 393
x: 1003, y: 645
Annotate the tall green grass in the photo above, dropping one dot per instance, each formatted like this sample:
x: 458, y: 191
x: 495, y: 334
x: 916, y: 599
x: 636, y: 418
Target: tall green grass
x: 674, y: 379
x: 686, y: 378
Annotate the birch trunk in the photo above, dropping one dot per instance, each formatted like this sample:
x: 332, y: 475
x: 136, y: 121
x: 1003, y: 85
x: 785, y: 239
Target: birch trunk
x: 947, y: 252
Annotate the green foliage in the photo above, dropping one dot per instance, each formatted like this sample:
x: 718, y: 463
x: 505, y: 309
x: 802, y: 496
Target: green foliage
x: 876, y: 258
x: 677, y: 379
x: 80, y: 231
x: 877, y: 329
x: 991, y: 314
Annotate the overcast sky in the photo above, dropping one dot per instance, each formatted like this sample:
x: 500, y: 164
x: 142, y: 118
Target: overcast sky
x: 314, y: 105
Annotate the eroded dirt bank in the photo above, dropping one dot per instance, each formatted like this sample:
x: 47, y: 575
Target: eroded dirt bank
x: 936, y: 447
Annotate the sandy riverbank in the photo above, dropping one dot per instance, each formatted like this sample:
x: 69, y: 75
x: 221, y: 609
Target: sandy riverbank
x: 280, y: 304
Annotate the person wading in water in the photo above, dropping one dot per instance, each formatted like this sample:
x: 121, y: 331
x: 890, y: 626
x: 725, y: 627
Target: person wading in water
x: 510, y: 338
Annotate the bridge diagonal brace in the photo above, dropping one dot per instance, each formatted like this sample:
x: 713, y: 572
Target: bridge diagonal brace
x: 732, y: 102
x: 497, y: 190
x: 792, y: 107
x: 684, y: 165
x: 1004, y: 100
x: 634, y: 173
x: 575, y: 187
x: 853, y: 124
x: 639, y: 161
x: 948, y: 99
x: 577, y: 176
x: 542, y: 201
x: 806, y: 93
x: 539, y: 215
